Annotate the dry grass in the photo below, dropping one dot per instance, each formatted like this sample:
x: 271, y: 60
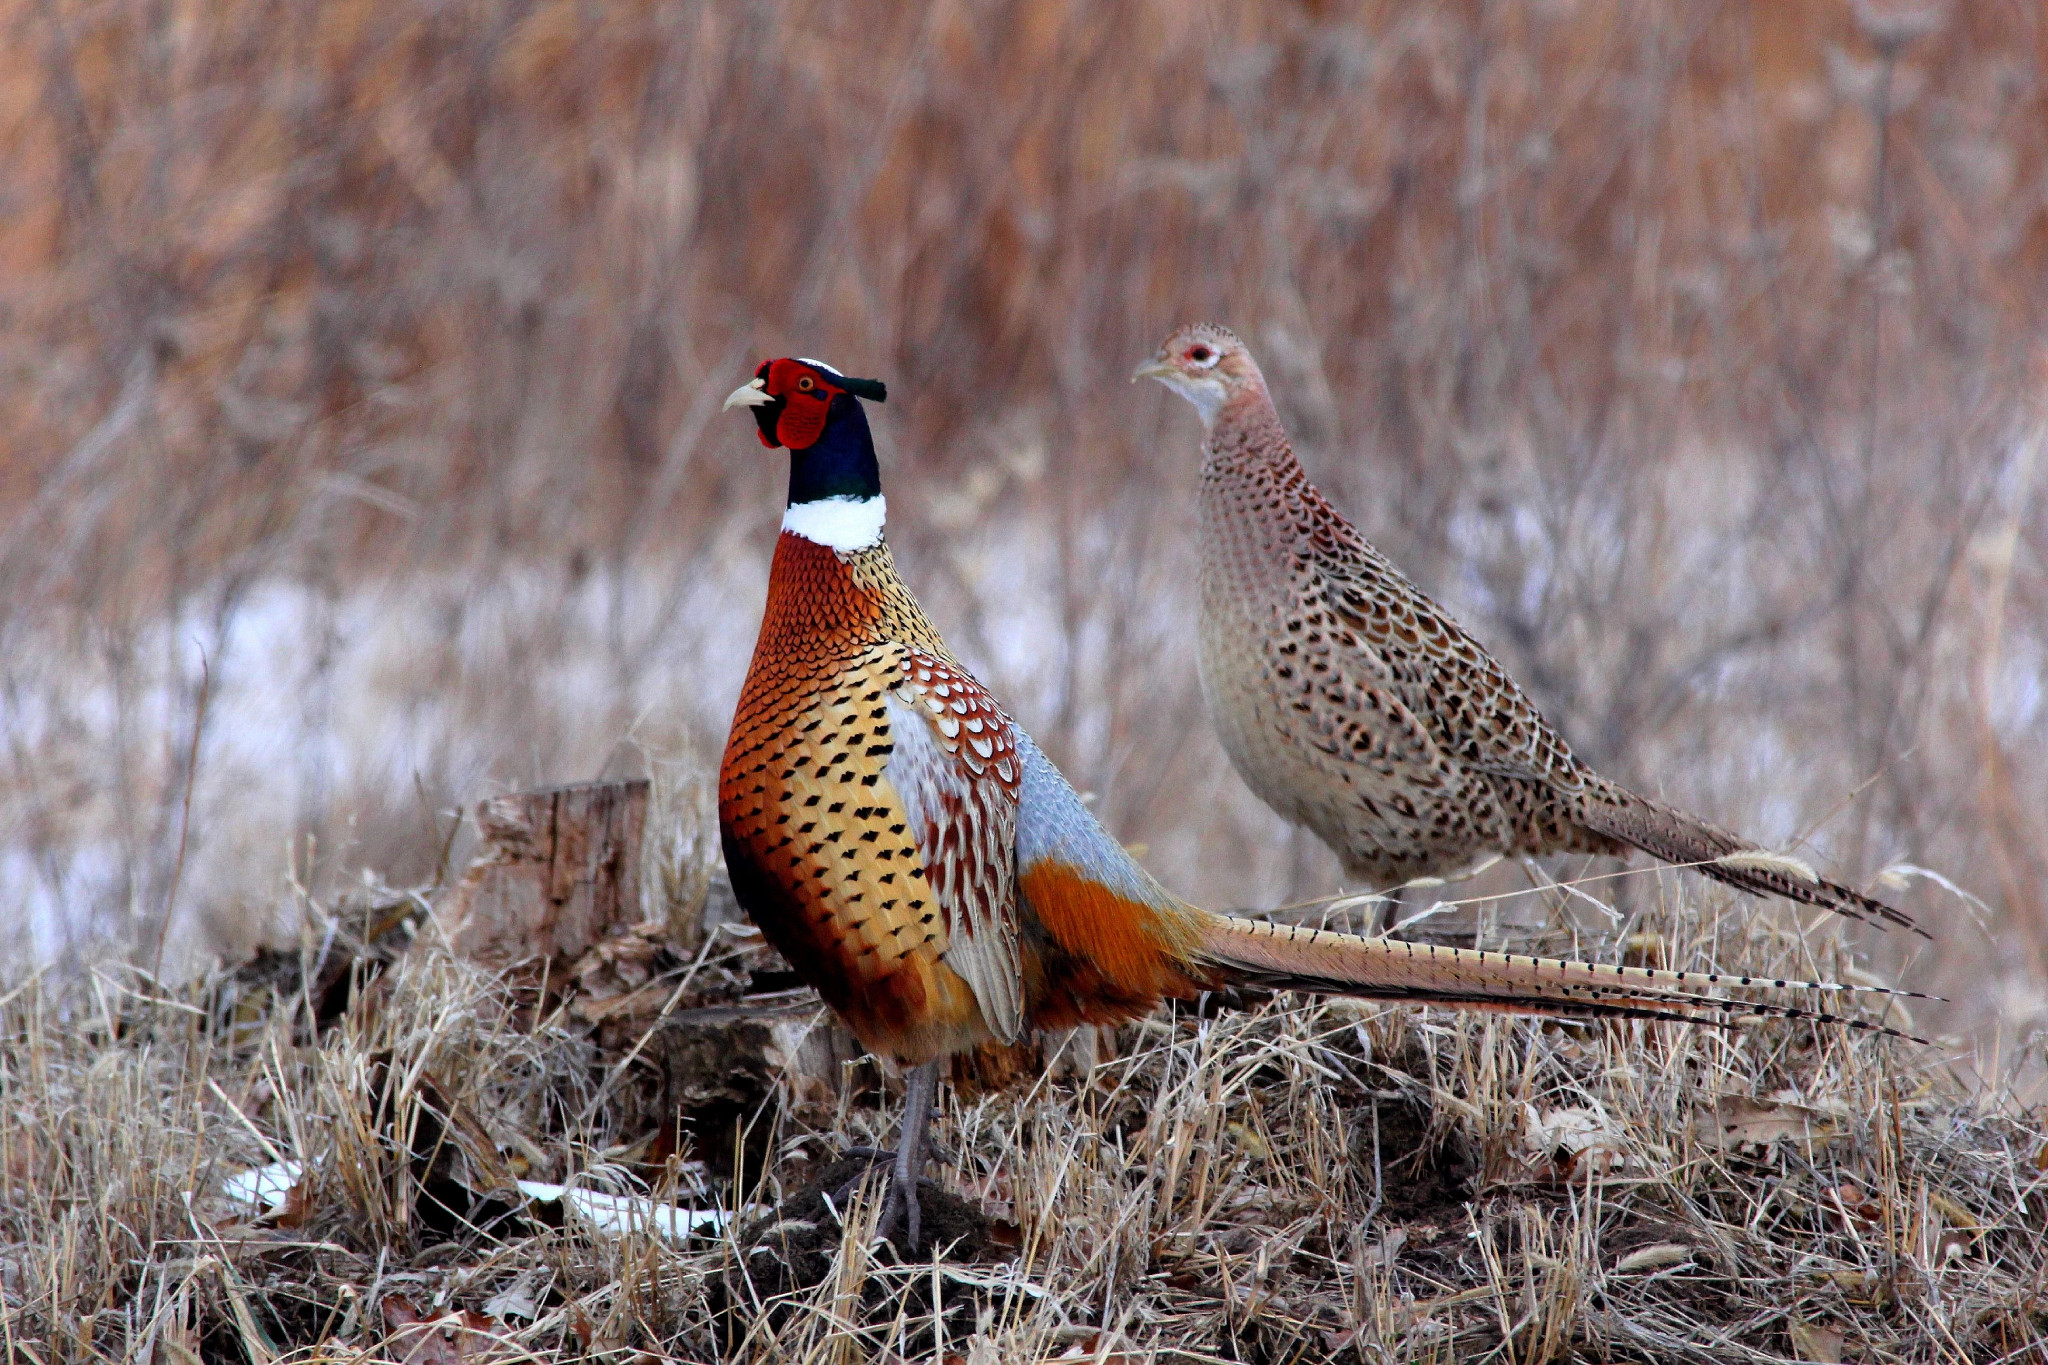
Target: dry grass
x: 1293, y: 1181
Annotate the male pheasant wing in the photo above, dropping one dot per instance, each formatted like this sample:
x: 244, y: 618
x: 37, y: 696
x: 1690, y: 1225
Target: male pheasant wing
x: 954, y: 763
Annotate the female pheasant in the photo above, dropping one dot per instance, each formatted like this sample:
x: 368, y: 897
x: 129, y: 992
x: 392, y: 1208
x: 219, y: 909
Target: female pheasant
x: 919, y: 861
x: 1354, y: 704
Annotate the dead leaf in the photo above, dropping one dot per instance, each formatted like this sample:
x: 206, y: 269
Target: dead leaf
x: 1859, y: 1287
x: 1853, y: 1202
x: 454, y: 1338
x: 1559, y: 1143
x: 1957, y: 1217
x: 1740, y: 1122
x: 1644, y: 950
x: 1813, y: 1342
x: 644, y: 1003
x: 1577, y: 1127
x: 293, y: 1212
x: 518, y: 1299
x: 1249, y: 1142
x: 177, y: 1339
x: 1094, y: 1351
x: 270, y: 1190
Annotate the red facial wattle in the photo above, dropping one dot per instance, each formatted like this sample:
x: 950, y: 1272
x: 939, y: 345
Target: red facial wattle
x: 804, y: 400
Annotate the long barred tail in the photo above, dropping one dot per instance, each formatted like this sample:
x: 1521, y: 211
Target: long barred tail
x: 1287, y: 957
x: 1676, y: 837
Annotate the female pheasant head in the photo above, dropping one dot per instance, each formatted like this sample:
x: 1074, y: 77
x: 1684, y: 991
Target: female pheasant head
x: 1207, y: 365
x: 835, y: 485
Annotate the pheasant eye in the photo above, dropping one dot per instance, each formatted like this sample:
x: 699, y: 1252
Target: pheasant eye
x: 805, y: 384
x: 1201, y: 355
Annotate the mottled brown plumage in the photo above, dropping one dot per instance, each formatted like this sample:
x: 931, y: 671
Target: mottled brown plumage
x: 1356, y: 706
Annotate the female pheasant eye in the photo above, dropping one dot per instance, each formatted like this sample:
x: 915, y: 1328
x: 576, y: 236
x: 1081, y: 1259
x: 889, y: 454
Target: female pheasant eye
x: 805, y: 384
x: 1202, y: 355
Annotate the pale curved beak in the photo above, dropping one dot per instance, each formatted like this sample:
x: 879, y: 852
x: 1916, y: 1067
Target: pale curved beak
x: 752, y: 394
x: 1155, y: 368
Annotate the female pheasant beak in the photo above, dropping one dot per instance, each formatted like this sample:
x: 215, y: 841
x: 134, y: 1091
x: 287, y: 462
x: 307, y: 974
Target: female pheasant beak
x: 1202, y: 363
x: 1198, y: 383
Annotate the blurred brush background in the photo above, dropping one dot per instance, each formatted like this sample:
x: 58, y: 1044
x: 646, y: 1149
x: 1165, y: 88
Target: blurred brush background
x: 360, y: 451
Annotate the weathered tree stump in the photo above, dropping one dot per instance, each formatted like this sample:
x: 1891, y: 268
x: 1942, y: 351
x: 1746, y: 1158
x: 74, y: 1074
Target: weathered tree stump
x: 604, y: 906
x: 559, y: 871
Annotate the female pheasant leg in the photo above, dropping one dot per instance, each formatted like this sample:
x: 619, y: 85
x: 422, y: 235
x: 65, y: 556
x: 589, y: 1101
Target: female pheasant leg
x: 910, y: 1153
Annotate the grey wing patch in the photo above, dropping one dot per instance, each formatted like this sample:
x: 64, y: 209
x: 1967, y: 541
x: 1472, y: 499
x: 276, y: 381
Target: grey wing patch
x: 1053, y: 826
x: 963, y: 818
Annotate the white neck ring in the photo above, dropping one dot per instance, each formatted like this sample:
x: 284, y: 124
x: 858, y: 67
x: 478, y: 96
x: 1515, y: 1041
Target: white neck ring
x: 840, y: 523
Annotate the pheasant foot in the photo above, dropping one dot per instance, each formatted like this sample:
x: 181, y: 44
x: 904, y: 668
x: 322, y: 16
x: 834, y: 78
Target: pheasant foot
x: 913, y: 1149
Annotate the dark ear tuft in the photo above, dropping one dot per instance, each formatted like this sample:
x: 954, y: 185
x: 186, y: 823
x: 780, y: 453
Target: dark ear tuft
x: 874, y: 390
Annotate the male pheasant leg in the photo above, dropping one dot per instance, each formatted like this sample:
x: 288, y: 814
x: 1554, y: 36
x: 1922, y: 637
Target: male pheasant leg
x: 910, y: 1154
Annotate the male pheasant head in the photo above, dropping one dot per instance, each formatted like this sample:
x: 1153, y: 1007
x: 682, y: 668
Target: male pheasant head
x: 835, y: 485
x: 1208, y: 366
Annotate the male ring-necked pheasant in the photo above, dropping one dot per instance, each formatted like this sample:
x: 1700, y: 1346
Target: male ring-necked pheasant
x: 1356, y: 706
x: 920, y: 862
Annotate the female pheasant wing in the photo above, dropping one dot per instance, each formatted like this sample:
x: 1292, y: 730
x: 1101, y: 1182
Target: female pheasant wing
x: 954, y: 764
x: 1445, y: 678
